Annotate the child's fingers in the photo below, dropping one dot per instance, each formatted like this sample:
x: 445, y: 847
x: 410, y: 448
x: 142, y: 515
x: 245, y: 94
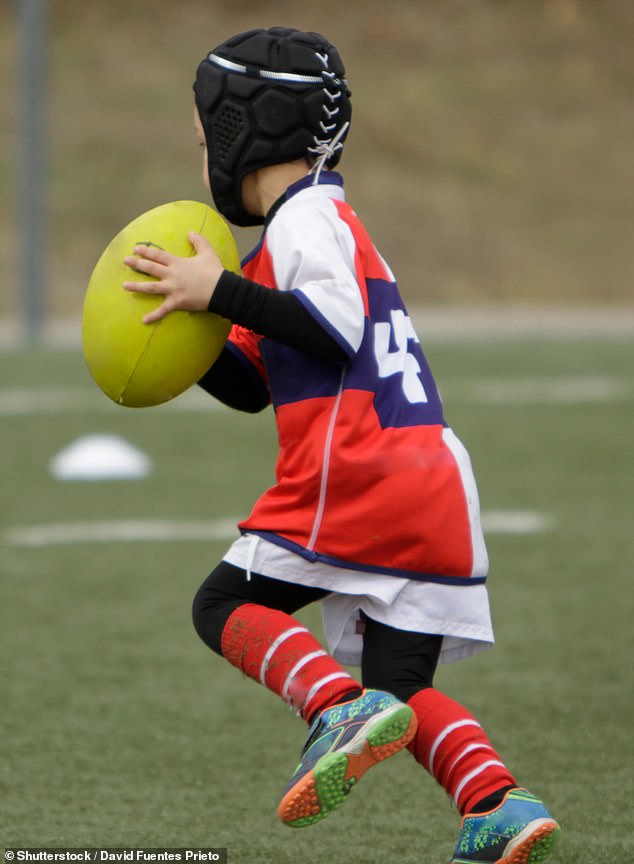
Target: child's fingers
x: 152, y: 253
x: 145, y: 287
x: 202, y: 246
x: 197, y: 240
x: 149, y: 260
x: 168, y: 305
x: 158, y: 313
x: 144, y: 265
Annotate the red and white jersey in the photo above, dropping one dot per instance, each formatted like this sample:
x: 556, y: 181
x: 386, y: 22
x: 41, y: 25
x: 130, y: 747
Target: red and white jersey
x: 369, y: 476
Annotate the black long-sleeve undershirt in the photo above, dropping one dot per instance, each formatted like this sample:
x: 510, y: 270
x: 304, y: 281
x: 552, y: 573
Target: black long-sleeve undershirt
x: 279, y: 315
x: 230, y: 381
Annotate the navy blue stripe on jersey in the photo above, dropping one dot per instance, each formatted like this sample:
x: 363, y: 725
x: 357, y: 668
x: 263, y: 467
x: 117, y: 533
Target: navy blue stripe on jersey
x: 311, y: 555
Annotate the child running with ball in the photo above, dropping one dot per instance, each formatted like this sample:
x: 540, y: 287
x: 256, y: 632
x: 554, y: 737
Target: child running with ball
x: 375, y: 509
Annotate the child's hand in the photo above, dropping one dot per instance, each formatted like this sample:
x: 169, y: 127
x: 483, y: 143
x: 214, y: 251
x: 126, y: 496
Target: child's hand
x: 185, y: 283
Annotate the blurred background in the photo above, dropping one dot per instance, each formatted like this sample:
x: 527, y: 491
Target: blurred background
x: 491, y: 151
x: 491, y: 158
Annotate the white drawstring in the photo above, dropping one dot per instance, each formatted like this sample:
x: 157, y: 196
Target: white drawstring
x: 325, y: 149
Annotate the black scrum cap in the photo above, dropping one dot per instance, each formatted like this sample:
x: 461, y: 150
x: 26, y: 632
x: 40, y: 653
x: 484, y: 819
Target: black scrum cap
x: 266, y: 97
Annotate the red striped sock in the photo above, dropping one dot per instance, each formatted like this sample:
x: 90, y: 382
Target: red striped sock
x: 275, y: 649
x: 453, y: 747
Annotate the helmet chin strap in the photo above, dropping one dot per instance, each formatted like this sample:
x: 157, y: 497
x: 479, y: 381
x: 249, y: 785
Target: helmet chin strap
x: 325, y: 150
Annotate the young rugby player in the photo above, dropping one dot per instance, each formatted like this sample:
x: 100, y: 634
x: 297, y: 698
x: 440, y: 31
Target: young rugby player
x: 375, y: 510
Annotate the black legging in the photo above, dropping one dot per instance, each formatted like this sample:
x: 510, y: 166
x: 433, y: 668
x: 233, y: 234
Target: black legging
x: 398, y: 661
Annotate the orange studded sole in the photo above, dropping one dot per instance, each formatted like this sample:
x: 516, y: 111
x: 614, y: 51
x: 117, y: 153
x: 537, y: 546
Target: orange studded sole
x: 533, y: 845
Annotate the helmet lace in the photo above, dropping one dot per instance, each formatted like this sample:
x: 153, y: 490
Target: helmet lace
x: 324, y: 148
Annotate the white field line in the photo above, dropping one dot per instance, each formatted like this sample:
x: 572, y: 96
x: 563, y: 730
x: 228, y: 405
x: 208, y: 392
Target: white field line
x: 516, y: 522
x: 166, y: 530
x: 492, y: 323
x: 569, y: 390
x: 463, y: 323
x: 25, y: 401
x: 120, y: 531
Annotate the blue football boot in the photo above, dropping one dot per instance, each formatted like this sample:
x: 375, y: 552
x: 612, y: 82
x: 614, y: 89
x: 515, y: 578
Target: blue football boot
x: 344, y: 741
x: 518, y: 831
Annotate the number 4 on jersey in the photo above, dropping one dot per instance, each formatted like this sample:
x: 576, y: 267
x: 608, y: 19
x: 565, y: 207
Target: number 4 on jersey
x: 400, y: 361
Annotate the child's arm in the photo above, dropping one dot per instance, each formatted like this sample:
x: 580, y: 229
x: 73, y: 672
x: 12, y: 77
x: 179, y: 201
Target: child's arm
x: 231, y: 382
x: 280, y: 315
x: 200, y: 283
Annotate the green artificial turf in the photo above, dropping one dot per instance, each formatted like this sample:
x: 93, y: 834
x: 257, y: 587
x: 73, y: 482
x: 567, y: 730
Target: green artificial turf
x: 119, y: 728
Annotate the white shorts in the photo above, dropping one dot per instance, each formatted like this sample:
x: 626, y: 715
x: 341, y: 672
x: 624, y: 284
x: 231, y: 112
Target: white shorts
x: 459, y: 613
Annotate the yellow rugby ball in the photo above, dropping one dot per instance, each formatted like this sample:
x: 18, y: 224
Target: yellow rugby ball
x: 139, y: 364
